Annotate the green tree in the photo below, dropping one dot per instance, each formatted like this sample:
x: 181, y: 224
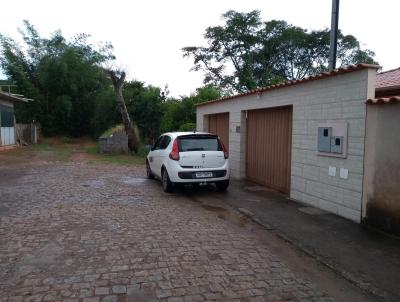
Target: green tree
x: 144, y: 104
x: 63, y: 77
x: 246, y: 52
x: 105, y: 113
x: 180, y: 114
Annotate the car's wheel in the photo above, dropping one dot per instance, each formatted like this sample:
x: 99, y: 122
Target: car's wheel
x: 166, y: 182
x: 222, y: 185
x: 150, y: 174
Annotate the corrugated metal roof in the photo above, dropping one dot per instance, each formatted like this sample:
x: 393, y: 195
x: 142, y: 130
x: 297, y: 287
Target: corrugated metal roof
x: 12, y: 97
x: 384, y: 100
x: 387, y: 79
x: 323, y: 75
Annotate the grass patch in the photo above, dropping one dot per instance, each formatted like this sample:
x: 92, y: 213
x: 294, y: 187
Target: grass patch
x: 93, y: 149
x: 54, y: 149
x: 64, y: 149
x: 116, y: 159
x: 119, y: 159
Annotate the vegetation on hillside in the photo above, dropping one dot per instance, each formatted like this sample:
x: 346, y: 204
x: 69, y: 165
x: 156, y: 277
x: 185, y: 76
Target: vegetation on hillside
x: 73, y: 94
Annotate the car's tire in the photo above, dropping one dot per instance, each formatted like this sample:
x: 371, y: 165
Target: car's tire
x: 222, y: 185
x: 167, y: 185
x: 149, y: 174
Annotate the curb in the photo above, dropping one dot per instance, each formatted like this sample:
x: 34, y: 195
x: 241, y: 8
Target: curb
x: 363, y: 285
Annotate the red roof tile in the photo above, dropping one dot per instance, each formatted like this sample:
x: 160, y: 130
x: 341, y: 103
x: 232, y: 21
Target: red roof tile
x: 384, y: 100
x: 332, y: 73
x: 390, y: 78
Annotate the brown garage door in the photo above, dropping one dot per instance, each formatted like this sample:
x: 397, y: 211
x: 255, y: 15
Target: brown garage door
x: 269, y: 140
x: 219, y: 124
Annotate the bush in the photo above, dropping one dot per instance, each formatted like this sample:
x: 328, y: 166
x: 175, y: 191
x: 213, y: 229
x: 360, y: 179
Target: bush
x: 187, y: 127
x: 112, y: 130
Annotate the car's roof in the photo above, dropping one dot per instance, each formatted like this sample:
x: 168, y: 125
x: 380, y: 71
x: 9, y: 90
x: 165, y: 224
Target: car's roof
x: 176, y: 134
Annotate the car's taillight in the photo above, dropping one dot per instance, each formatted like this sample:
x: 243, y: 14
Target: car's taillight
x: 174, y: 154
x: 226, y: 153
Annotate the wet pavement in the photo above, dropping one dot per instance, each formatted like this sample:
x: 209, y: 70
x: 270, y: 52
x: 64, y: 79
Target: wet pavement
x: 83, y: 231
x: 365, y: 257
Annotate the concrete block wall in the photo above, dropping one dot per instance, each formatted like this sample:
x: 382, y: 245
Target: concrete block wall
x: 116, y: 143
x: 381, y: 196
x: 338, y: 98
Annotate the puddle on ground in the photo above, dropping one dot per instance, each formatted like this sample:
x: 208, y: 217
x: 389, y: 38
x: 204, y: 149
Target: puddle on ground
x: 3, y: 210
x: 93, y: 183
x: 213, y: 256
x: 253, y: 200
x: 213, y: 208
x: 256, y: 188
x: 133, y: 180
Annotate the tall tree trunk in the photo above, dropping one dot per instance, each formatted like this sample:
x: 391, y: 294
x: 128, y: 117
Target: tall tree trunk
x: 118, y: 83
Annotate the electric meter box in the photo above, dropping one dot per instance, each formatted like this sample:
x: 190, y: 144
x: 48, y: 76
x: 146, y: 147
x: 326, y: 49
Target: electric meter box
x: 332, y: 139
x: 324, y: 139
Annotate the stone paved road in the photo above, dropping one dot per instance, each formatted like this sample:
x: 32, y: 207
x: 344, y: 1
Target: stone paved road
x: 78, y: 231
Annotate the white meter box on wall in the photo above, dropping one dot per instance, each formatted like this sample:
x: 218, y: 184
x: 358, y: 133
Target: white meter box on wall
x: 332, y: 139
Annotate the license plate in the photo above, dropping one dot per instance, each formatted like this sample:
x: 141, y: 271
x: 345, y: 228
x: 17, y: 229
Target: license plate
x: 203, y: 174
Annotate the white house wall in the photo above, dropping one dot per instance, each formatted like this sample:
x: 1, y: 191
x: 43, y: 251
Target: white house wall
x: 339, y: 98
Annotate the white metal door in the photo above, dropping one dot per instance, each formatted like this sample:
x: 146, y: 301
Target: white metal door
x: 7, y: 136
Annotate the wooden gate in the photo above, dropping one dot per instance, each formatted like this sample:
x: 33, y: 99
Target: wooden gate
x: 219, y: 124
x: 26, y: 133
x: 269, y: 143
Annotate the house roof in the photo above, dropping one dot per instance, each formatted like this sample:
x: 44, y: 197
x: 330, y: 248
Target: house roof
x: 384, y: 100
x: 388, y: 79
x: 323, y: 75
x: 12, y: 97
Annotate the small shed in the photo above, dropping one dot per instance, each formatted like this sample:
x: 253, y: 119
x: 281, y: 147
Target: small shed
x: 116, y: 142
x: 7, y: 119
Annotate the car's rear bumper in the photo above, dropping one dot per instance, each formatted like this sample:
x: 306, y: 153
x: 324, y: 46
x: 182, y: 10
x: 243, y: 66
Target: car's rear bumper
x: 194, y: 175
x: 178, y: 174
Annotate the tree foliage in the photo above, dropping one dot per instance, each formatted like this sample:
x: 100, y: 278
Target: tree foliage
x: 63, y: 77
x: 73, y: 94
x: 247, y: 52
x: 180, y: 114
x: 144, y: 103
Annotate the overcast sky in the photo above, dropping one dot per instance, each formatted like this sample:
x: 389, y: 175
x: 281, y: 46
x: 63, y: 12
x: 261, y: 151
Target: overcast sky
x: 148, y: 35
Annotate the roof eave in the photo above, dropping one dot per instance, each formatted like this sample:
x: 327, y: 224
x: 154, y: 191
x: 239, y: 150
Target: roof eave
x: 13, y: 97
x: 335, y: 72
x: 384, y: 100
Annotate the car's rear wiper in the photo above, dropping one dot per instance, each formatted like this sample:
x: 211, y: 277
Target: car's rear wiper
x: 195, y: 149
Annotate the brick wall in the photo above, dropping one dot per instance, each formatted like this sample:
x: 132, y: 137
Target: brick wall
x: 334, y: 99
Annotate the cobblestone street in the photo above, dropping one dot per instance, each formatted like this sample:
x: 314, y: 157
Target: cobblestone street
x: 81, y: 231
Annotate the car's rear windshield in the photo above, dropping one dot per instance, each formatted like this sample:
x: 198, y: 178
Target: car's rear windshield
x: 199, y: 143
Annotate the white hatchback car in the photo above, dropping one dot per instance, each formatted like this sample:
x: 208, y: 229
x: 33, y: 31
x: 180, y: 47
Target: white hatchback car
x: 189, y: 158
